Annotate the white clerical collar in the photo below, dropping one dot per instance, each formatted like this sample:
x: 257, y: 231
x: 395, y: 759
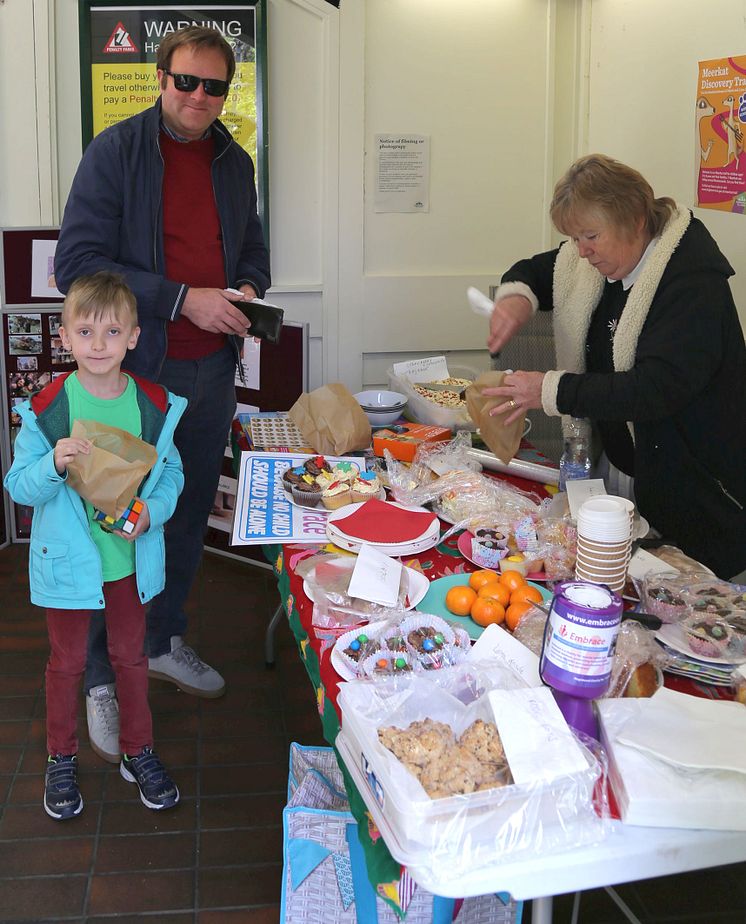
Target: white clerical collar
x: 631, y: 279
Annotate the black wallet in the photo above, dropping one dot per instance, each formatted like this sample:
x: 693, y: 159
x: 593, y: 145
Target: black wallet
x: 266, y: 320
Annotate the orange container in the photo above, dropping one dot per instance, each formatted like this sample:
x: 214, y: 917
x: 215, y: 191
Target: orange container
x: 402, y: 442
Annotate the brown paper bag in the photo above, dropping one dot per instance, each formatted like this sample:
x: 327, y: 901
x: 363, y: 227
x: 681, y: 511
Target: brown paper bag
x: 503, y: 441
x: 109, y: 476
x: 331, y: 420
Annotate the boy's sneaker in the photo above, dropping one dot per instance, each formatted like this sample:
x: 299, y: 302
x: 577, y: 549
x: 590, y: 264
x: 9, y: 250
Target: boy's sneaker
x: 157, y: 789
x: 102, y: 712
x: 187, y: 670
x: 62, y: 797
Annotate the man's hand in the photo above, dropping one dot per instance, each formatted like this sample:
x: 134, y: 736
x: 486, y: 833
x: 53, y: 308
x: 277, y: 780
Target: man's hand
x: 508, y: 317
x: 66, y: 449
x: 143, y: 523
x: 212, y: 309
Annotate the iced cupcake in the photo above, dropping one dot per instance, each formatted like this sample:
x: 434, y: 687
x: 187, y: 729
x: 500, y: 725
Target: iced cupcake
x: 365, y: 487
x: 307, y: 492
x: 293, y: 476
x: 345, y: 471
x: 316, y: 465
x: 336, y: 495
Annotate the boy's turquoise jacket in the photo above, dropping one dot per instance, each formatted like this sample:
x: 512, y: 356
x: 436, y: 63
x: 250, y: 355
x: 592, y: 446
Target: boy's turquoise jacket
x: 64, y: 564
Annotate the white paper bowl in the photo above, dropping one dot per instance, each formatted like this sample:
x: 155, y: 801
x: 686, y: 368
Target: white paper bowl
x: 382, y: 418
x: 377, y: 400
x: 381, y: 407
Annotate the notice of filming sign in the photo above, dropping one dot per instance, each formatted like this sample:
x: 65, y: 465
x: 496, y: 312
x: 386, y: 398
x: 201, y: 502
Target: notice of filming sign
x: 402, y: 173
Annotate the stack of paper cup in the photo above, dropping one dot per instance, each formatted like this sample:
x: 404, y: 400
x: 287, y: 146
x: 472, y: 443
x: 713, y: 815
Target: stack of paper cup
x: 604, y: 541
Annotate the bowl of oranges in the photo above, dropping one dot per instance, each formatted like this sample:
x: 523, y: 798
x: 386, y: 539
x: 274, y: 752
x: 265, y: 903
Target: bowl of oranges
x: 482, y: 598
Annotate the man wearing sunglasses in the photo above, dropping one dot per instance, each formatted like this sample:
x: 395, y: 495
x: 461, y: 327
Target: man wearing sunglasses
x: 168, y: 198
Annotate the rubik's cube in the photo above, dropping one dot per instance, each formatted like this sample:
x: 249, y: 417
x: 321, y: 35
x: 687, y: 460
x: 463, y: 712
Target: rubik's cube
x: 126, y: 523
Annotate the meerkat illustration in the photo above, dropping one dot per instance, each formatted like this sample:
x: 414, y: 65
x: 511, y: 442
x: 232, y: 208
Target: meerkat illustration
x: 732, y: 131
x: 704, y: 111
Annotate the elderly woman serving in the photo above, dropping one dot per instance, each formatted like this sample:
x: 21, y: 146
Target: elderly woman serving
x: 649, y: 348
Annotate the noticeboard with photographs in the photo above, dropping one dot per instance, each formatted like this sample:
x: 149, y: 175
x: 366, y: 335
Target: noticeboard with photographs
x: 32, y: 351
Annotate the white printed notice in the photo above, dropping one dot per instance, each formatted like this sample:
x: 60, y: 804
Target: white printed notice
x: 402, y: 173
x: 263, y: 512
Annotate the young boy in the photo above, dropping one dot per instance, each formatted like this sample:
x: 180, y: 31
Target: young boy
x: 74, y: 565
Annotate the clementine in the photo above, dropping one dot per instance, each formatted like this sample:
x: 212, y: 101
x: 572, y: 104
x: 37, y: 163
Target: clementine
x: 496, y: 591
x: 459, y: 600
x: 515, y: 613
x: 526, y: 593
x: 478, y: 578
x: 512, y: 580
x: 487, y: 610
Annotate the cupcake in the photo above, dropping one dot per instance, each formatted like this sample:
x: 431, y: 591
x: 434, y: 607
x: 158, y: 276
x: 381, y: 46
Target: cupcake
x: 516, y: 562
x: 357, y: 647
x: 386, y: 664
x: 488, y: 547
x: 366, y: 486
x: 707, y: 636
x: 345, y: 471
x: 293, y: 476
x: 737, y: 625
x: 662, y: 596
x: 396, y: 642
x: 336, y: 495
x: 306, y: 493
x: 316, y: 465
x: 324, y: 479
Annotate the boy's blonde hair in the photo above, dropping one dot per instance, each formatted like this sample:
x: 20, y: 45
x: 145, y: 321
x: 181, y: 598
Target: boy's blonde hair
x: 98, y: 295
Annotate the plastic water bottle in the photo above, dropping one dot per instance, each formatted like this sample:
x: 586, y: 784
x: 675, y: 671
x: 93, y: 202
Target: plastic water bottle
x: 575, y: 462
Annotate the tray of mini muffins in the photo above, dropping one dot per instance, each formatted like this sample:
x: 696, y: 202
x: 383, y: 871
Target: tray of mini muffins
x: 703, y: 623
x: 398, y: 646
x: 318, y: 483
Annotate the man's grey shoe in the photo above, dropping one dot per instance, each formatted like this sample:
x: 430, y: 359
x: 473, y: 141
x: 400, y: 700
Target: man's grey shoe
x: 102, y: 712
x: 183, y: 667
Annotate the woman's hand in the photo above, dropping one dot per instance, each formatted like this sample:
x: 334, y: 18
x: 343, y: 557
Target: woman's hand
x: 508, y: 317
x: 522, y: 391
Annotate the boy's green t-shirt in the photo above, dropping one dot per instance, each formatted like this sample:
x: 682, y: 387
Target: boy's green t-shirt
x: 117, y: 555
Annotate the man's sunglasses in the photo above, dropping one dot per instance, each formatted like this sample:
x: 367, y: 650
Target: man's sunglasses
x: 188, y: 83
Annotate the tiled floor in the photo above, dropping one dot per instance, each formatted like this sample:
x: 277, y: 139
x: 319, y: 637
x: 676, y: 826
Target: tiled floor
x: 215, y: 859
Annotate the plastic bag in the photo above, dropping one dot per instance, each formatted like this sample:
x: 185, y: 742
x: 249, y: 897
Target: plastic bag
x: 451, y: 834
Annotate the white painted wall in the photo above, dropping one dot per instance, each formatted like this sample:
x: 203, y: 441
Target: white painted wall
x: 509, y: 92
x: 642, y: 91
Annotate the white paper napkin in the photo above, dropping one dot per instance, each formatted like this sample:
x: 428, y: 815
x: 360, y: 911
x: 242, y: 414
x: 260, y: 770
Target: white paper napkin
x: 376, y: 577
x: 690, y: 731
x: 530, y: 724
x: 497, y: 644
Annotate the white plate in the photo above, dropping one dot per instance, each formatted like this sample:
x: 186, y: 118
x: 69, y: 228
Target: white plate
x: 394, y: 551
x: 320, y: 506
x: 417, y: 586
x: 672, y: 635
x: 640, y: 527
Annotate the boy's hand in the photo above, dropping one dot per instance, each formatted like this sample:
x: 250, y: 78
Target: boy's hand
x: 66, y: 449
x: 143, y: 523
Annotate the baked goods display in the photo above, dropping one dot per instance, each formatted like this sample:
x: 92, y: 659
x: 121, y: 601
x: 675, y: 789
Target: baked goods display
x: 424, y: 642
x: 447, y: 765
x: 707, y: 635
x: 316, y: 483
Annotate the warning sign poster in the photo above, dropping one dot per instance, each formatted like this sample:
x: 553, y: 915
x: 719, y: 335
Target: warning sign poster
x: 720, y: 125
x: 119, y: 43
